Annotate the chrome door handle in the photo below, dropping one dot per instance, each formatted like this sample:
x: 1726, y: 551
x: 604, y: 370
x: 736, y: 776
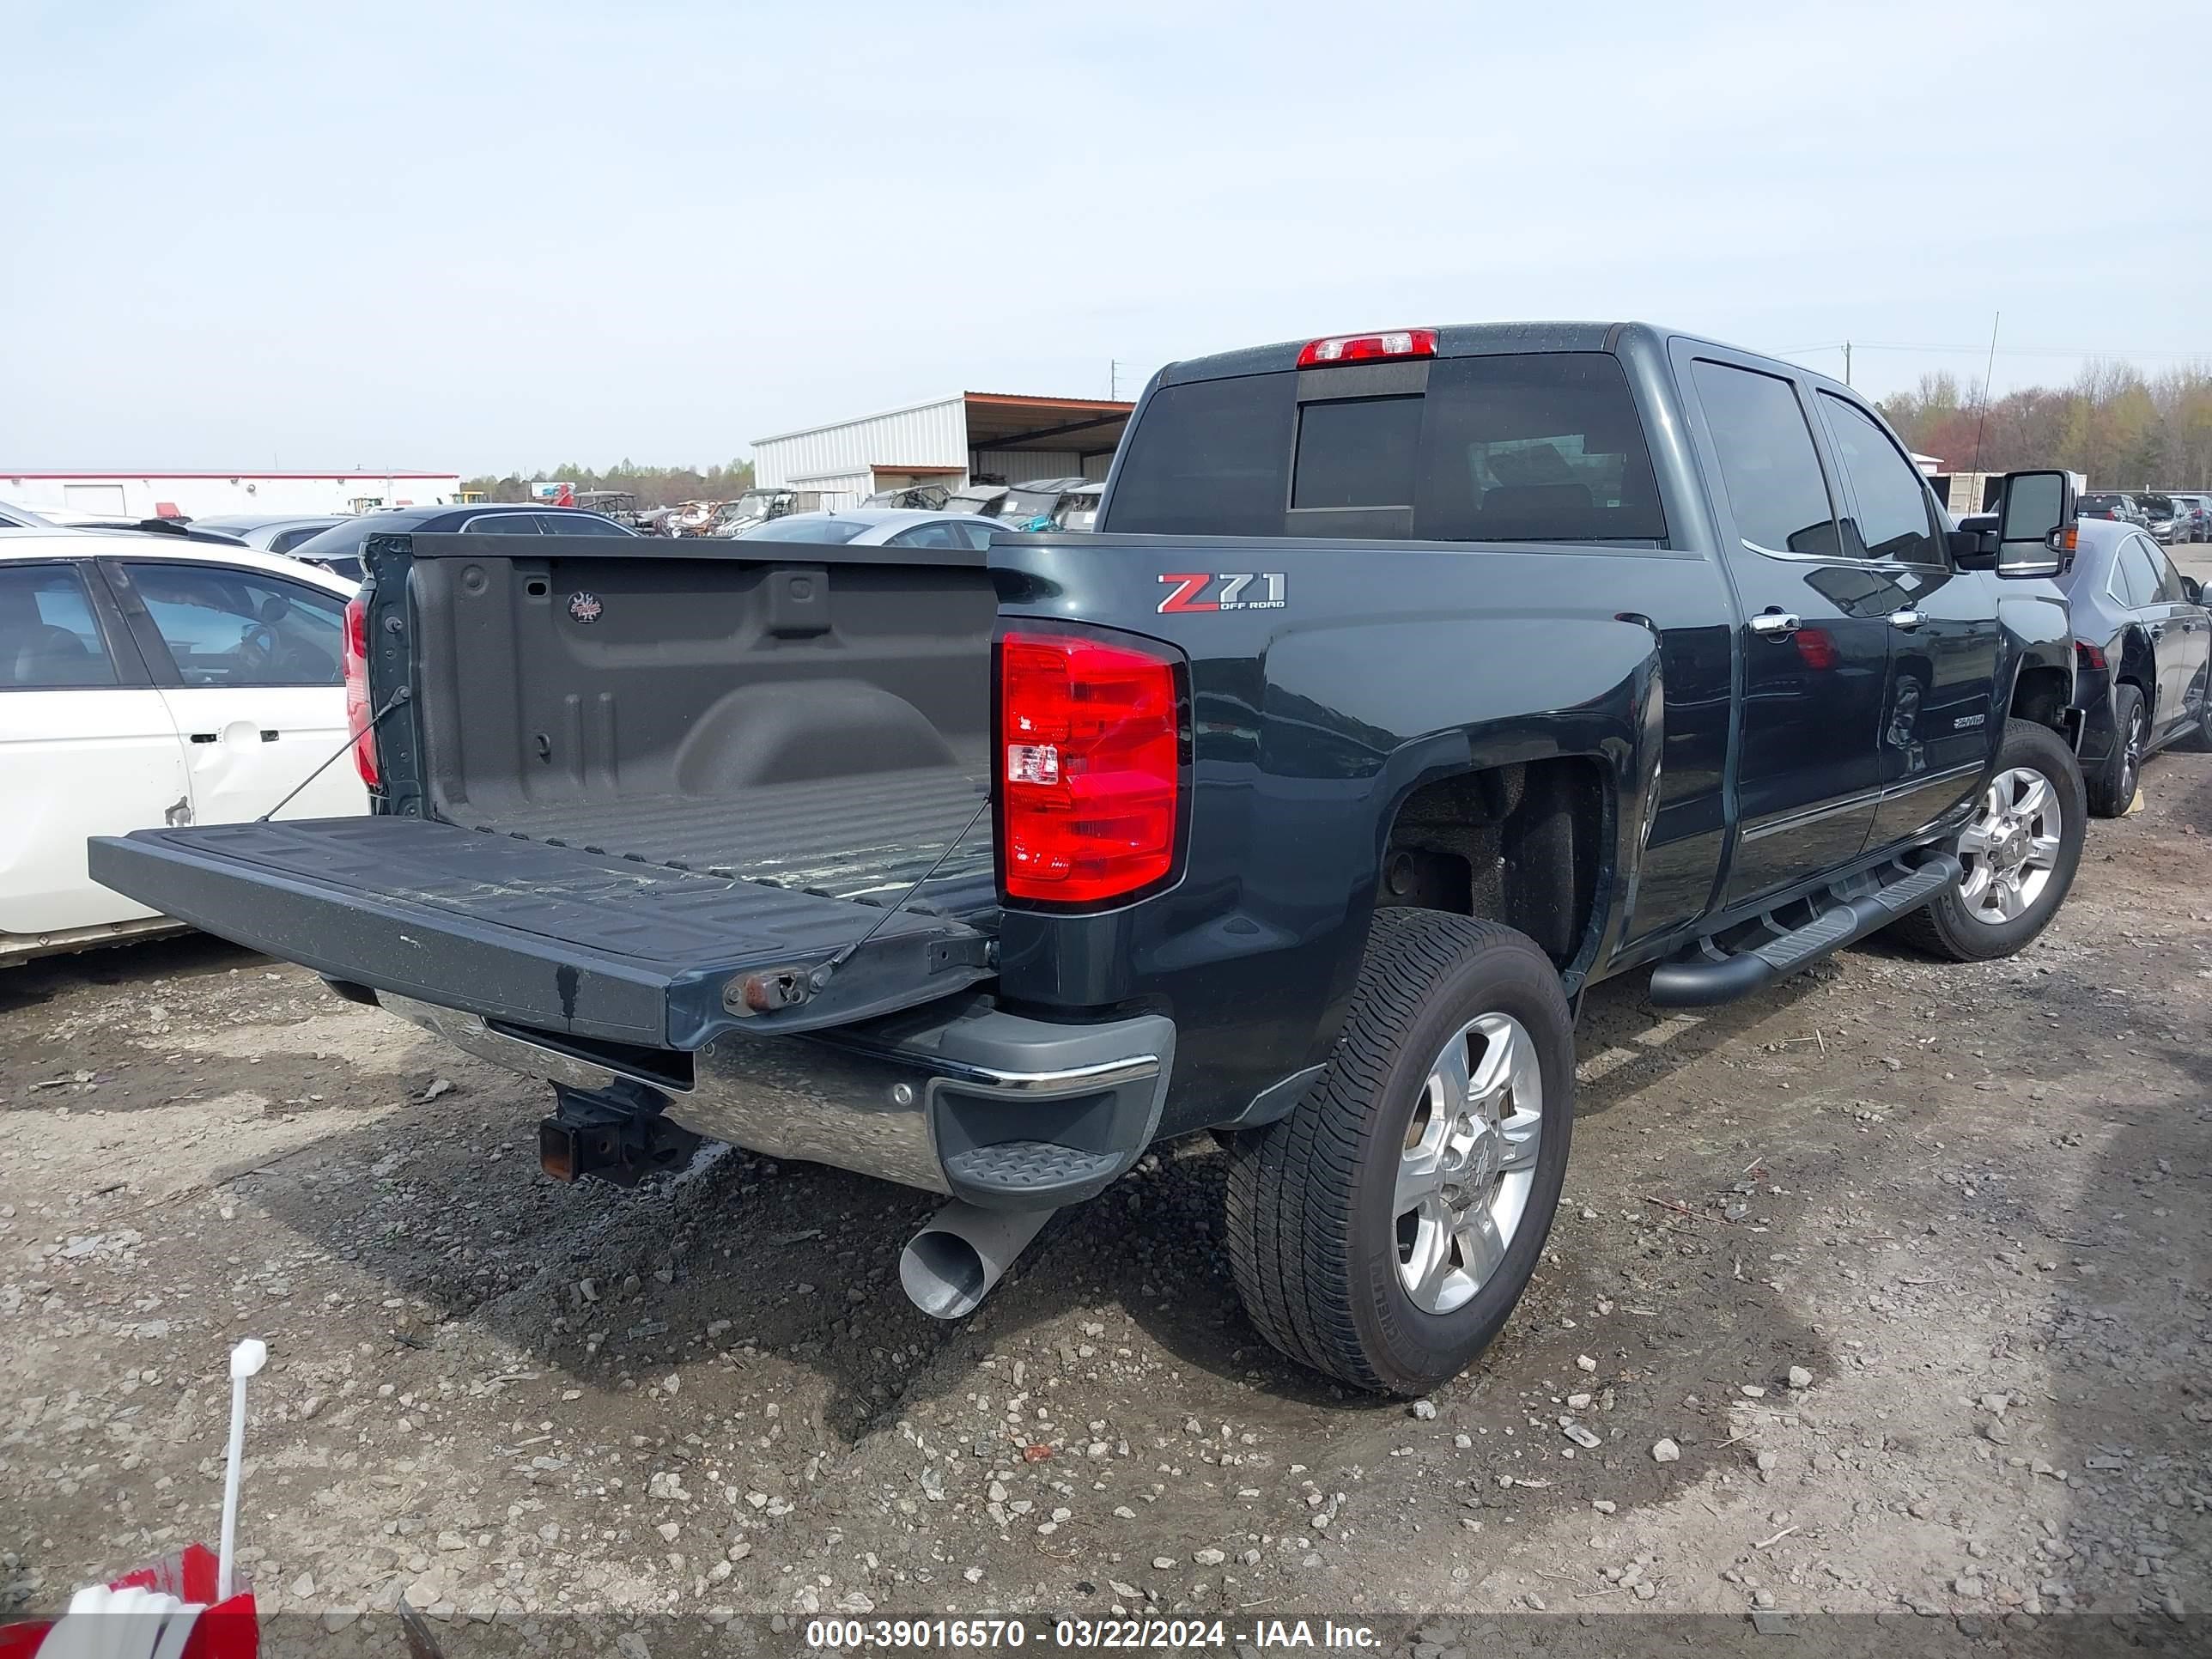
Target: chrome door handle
x: 1907, y: 619
x: 1776, y: 625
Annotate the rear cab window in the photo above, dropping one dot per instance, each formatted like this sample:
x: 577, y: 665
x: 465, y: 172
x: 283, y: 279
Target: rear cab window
x: 1520, y: 447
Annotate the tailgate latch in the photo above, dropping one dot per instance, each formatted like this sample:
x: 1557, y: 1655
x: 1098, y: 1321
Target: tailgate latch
x: 767, y: 991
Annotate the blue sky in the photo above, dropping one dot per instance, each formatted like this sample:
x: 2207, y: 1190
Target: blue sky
x: 489, y: 236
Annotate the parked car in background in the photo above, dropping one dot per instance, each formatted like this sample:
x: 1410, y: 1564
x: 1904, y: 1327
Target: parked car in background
x: 337, y: 549
x: 22, y: 518
x: 272, y: 534
x: 149, y: 681
x: 2124, y: 509
x: 1037, y: 504
x: 2143, y: 647
x: 877, y: 526
x: 2197, y: 526
x: 2161, y: 517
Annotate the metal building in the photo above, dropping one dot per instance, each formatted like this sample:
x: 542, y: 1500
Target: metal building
x: 968, y: 437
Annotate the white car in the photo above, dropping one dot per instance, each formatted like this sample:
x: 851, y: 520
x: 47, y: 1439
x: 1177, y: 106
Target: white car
x: 146, y: 680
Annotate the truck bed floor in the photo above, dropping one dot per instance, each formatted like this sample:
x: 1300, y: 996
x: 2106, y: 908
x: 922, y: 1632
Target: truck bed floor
x: 867, y: 838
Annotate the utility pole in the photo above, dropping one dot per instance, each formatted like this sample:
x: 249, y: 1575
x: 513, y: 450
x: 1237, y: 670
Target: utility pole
x: 1847, y: 362
x: 1114, y: 380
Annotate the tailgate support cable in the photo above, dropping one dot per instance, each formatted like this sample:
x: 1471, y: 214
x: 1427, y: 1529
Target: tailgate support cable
x: 820, y: 976
x: 352, y: 737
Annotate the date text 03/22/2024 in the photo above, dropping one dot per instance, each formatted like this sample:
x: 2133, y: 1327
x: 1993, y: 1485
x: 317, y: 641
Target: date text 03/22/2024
x: 834, y: 1634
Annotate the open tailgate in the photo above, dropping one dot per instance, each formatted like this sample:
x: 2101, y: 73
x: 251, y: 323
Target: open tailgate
x: 552, y: 938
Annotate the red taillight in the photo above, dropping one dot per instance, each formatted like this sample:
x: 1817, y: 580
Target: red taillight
x: 1369, y: 348
x: 356, y: 688
x: 1090, y: 762
x: 2087, y: 655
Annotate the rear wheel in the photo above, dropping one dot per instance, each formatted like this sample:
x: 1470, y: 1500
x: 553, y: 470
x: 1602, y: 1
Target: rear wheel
x: 2112, y: 785
x: 2200, y: 729
x: 1384, y: 1230
x: 2020, y: 850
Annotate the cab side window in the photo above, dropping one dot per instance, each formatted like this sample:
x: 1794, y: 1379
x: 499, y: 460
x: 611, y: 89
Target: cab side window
x: 1771, y: 470
x: 1892, y: 504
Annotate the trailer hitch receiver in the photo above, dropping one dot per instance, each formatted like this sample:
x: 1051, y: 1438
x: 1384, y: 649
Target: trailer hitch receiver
x: 617, y: 1135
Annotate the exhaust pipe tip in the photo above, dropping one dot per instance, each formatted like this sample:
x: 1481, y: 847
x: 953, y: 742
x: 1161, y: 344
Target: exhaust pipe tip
x: 943, y: 1275
x: 953, y: 1263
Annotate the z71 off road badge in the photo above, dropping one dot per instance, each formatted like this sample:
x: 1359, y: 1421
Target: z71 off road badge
x: 1260, y: 590
x: 585, y: 607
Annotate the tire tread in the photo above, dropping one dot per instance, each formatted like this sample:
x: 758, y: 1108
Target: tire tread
x: 1288, y: 1214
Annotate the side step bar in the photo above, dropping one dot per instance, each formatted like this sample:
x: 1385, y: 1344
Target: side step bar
x: 1766, y: 951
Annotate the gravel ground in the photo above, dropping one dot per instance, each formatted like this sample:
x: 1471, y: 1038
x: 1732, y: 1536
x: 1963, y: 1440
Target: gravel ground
x: 1884, y: 1293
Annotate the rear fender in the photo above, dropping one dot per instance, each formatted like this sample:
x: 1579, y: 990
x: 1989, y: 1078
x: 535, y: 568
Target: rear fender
x: 1599, y: 688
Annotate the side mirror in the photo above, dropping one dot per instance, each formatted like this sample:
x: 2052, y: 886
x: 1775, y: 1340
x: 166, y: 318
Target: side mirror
x: 1973, y: 549
x: 2035, y: 510
x: 2194, y: 588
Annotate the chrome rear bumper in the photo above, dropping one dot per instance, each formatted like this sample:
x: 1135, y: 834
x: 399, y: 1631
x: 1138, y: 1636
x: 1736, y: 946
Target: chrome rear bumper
x: 958, y: 1097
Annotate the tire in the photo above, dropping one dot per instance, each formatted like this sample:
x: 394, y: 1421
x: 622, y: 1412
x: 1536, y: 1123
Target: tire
x: 1314, y: 1209
x: 1957, y: 926
x: 2112, y: 785
x: 2199, y: 736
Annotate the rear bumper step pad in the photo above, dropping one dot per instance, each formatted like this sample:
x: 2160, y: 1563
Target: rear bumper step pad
x: 550, y: 937
x: 1711, y: 974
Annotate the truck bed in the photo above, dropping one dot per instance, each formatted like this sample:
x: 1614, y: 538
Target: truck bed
x: 868, y: 838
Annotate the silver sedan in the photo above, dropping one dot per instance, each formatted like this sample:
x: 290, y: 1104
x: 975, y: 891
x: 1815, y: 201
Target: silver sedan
x: 875, y: 527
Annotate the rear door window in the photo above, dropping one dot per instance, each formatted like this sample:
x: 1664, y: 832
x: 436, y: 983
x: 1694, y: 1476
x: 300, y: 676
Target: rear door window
x: 48, y: 634
x: 1769, y: 466
x: 1536, y: 447
x: 2134, y: 574
x: 1892, y: 504
x: 503, y: 523
x: 2170, y: 590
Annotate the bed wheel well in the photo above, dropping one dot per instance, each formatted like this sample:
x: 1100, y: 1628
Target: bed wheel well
x: 1519, y: 844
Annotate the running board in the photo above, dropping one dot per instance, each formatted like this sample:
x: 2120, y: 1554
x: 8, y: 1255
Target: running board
x: 1764, y: 951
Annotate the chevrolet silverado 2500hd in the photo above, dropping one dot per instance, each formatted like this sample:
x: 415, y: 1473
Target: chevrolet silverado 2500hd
x: 1413, y: 682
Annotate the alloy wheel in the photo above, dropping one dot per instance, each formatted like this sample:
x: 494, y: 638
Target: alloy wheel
x: 2132, y: 757
x: 2011, y: 849
x: 1468, y: 1162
